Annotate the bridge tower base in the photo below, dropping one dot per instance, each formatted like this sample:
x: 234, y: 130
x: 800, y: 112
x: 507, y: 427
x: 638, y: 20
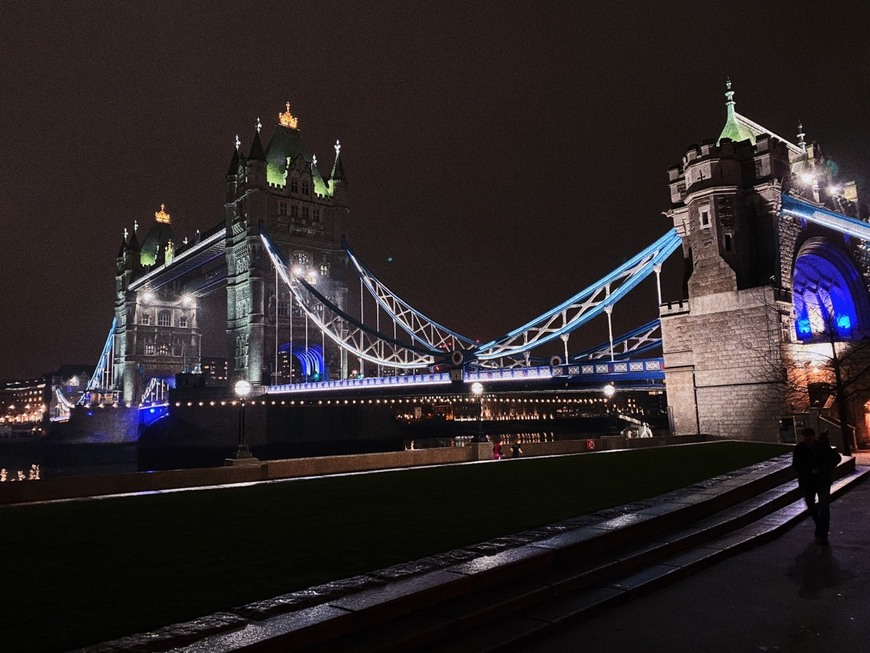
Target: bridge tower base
x: 724, y: 368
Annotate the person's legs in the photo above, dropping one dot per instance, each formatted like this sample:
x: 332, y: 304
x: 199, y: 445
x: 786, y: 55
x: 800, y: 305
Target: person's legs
x: 823, y: 510
x: 809, y: 494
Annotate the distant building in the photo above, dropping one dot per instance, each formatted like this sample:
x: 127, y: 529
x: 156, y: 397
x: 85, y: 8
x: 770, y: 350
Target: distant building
x: 48, y: 398
x: 215, y: 370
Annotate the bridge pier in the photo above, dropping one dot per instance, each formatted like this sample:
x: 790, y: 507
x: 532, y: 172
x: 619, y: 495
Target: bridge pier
x: 724, y: 366
x: 777, y: 294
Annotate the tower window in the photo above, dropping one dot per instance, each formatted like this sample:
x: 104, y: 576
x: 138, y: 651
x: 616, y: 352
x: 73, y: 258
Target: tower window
x: 182, y: 321
x: 294, y: 186
x: 294, y: 211
x: 317, y: 215
x: 145, y: 318
x: 164, y: 319
x: 729, y: 243
x: 705, y: 218
x: 282, y: 208
x: 305, y: 187
x: 305, y: 213
x: 149, y: 348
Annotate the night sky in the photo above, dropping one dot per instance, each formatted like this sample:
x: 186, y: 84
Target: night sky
x: 501, y: 156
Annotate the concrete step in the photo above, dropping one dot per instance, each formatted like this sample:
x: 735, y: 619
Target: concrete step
x: 586, y: 561
x: 511, y: 628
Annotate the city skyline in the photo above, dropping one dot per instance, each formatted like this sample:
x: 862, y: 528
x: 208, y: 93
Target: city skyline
x: 498, y: 162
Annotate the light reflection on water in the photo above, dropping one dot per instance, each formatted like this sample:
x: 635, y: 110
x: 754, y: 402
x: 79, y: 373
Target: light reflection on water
x: 11, y: 475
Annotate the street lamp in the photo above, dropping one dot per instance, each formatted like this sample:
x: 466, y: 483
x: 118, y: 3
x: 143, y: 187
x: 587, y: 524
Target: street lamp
x: 243, y: 454
x: 477, y: 391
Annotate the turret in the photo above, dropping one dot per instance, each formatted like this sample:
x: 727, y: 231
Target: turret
x: 255, y: 166
x: 233, y: 172
x: 337, y: 180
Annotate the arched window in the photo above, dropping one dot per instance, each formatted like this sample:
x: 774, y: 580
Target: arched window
x: 164, y: 318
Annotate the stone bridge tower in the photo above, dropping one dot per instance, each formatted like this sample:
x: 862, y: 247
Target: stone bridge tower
x: 728, y: 347
x: 157, y: 333
x: 280, y: 189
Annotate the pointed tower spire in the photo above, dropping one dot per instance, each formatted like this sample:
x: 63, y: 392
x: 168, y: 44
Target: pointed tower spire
x: 233, y: 171
x: 123, y: 248
x: 734, y: 129
x: 234, y: 161
x: 257, y: 153
x: 337, y: 167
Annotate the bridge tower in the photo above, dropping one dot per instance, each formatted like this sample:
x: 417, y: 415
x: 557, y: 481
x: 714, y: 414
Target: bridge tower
x: 157, y: 332
x: 279, y: 188
x: 730, y: 347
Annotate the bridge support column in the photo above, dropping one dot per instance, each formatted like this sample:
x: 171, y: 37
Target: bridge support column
x: 723, y: 364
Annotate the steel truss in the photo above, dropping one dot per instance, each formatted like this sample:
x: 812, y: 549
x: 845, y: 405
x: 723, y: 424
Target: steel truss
x: 796, y: 208
x: 103, y: 377
x: 637, y: 341
x: 348, y: 332
x: 582, y: 307
x: 413, y: 322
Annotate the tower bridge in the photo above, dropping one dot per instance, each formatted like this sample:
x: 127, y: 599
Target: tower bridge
x: 776, y: 270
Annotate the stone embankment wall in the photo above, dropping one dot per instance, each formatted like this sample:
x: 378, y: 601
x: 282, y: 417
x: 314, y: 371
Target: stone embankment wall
x: 109, y: 484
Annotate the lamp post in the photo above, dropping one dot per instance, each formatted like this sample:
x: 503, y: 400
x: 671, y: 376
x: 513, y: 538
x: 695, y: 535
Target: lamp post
x: 477, y: 391
x: 243, y: 455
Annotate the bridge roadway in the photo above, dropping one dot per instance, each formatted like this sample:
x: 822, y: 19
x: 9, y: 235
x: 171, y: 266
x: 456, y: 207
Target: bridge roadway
x: 646, y: 374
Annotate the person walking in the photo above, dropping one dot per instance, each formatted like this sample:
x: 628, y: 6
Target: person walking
x: 815, y: 461
x: 516, y: 451
x: 496, y: 447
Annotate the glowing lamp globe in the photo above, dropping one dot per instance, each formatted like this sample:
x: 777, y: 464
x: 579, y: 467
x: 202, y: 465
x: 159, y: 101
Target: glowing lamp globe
x: 242, y: 388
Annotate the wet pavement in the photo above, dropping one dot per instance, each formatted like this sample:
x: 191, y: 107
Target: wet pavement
x: 791, y: 595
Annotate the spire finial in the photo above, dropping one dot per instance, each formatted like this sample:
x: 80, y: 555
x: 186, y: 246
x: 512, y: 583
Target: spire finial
x: 287, y: 119
x: 259, y: 124
x: 337, y: 147
x: 801, y: 135
x: 162, y: 215
x: 126, y: 234
x: 135, y: 226
x: 238, y: 143
x: 314, y: 160
x: 729, y: 95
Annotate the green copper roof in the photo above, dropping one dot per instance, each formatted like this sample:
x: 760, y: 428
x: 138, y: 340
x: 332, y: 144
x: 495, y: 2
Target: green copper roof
x: 734, y: 129
x: 159, y: 240
x: 286, y: 144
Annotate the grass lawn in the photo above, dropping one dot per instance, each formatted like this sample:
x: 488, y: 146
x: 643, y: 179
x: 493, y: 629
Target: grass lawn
x: 82, y: 572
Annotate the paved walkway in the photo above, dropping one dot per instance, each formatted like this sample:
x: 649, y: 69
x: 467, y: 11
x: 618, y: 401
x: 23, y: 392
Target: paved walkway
x: 790, y: 595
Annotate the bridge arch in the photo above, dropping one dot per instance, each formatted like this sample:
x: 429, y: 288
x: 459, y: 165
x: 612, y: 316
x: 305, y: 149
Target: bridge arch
x: 309, y: 361
x: 829, y: 292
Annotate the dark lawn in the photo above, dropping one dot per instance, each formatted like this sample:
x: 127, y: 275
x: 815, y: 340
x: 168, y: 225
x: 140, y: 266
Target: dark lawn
x: 81, y: 572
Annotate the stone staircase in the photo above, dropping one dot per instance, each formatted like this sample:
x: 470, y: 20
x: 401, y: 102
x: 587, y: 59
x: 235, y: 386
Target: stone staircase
x: 495, y: 595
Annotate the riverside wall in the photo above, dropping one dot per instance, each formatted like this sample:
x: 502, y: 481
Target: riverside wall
x: 144, y: 482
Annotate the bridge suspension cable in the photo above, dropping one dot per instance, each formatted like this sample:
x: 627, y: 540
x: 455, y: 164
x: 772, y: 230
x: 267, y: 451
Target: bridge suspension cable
x: 409, y: 319
x: 103, y: 377
x: 636, y: 341
x: 796, y: 208
x: 585, y: 305
x: 347, y: 331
